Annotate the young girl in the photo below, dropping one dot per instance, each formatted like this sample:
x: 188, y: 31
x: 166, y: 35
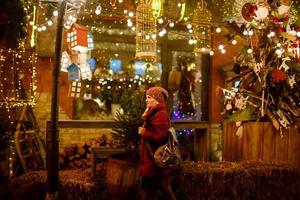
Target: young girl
x: 154, y: 133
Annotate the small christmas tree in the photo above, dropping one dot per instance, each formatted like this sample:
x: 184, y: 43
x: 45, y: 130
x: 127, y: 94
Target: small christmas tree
x: 126, y: 131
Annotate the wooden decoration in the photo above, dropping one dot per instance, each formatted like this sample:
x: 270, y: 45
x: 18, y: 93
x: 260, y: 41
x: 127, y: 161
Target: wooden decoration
x: 77, y: 37
x: 145, y: 33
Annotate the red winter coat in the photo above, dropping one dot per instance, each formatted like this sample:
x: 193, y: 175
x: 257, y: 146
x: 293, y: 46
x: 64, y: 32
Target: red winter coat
x: 156, y: 124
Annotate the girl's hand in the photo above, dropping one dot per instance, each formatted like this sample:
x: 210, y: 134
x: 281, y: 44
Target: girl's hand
x: 141, y: 130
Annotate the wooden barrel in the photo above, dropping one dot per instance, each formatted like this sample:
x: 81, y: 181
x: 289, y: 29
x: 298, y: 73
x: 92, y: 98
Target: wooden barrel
x: 261, y: 141
x: 122, y: 178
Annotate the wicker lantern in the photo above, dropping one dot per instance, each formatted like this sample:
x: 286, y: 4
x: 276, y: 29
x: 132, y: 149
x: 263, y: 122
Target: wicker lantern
x: 145, y: 32
x: 202, y: 23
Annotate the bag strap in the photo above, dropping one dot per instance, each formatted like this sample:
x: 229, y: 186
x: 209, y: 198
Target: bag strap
x: 171, y: 130
x: 148, y: 146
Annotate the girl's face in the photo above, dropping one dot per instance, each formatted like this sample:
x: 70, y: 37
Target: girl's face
x: 150, y: 101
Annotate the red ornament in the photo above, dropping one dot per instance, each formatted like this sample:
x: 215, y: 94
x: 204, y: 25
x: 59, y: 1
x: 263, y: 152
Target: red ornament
x: 248, y: 11
x: 275, y: 20
x: 278, y: 75
x: 296, y: 43
x: 280, y: 29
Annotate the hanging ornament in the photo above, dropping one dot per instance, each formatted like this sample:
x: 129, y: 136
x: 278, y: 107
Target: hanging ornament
x: 284, y: 65
x: 292, y: 81
x: 77, y: 37
x: 146, y: 32
x: 261, y: 13
x: 85, y: 71
x: 244, y: 11
x: 65, y: 62
x: 157, y: 6
x: 92, y: 63
x: 202, y: 23
x: 283, y: 9
x: 75, y: 89
x: 90, y: 41
x: 73, y: 72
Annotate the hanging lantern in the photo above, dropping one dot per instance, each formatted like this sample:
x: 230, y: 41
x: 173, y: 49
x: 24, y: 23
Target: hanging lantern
x: 77, y: 37
x: 145, y: 32
x: 202, y: 23
x: 65, y: 61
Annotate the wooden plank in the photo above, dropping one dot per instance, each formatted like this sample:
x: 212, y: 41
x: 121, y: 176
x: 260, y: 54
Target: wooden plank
x: 293, y: 146
x: 112, y: 124
x: 281, y: 152
x: 238, y: 145
x: 224, y: 141
x: 246, y: 141
x: 254, y: 130
x: 230, y: 142
x: 269, y: 144
x: 201, y: 145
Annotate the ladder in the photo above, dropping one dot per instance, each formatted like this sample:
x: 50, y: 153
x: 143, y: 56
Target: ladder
x: 27, y: 140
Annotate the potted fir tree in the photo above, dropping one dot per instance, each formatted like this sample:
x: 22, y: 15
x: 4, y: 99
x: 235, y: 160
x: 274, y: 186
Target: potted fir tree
x: 122, y: 169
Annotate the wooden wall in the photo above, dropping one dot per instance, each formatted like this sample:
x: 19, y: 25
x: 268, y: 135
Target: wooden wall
x: 261, y: 141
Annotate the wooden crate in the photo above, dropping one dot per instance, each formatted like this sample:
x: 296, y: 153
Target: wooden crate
x: 261, y: 141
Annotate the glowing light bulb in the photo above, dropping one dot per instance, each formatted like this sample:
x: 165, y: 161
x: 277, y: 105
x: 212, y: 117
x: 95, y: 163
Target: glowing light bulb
x: 218, y: 29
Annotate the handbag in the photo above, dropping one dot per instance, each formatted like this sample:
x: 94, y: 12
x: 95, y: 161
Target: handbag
x: 167, y: 155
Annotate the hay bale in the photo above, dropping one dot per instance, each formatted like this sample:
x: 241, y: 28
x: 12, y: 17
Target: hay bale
x: 73, y: 184
x: 244, y: 180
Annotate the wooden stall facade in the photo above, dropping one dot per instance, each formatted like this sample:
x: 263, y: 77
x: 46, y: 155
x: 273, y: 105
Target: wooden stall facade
x: 261, y: 141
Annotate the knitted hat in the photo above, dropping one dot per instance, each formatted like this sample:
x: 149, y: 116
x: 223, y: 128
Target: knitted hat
x: 158, y: 93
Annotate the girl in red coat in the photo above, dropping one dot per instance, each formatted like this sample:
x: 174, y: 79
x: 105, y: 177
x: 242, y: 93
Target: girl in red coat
x: 154, y: 133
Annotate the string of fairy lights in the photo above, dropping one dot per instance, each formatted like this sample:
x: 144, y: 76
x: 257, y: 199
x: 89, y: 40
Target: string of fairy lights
x: 22, y: 62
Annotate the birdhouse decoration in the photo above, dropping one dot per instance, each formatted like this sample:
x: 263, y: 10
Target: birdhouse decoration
x: 90, y: 41
x: 92, y: 63
x: 75, y: 89
x: 77, y: 37
x: 85, y: 71
x: 65, y: 61
x: 73, y: 72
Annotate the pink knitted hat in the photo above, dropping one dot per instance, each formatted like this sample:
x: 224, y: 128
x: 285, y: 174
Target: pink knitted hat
x: 158, y: 93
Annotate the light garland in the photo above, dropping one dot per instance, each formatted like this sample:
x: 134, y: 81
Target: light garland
x: 15, y: 66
